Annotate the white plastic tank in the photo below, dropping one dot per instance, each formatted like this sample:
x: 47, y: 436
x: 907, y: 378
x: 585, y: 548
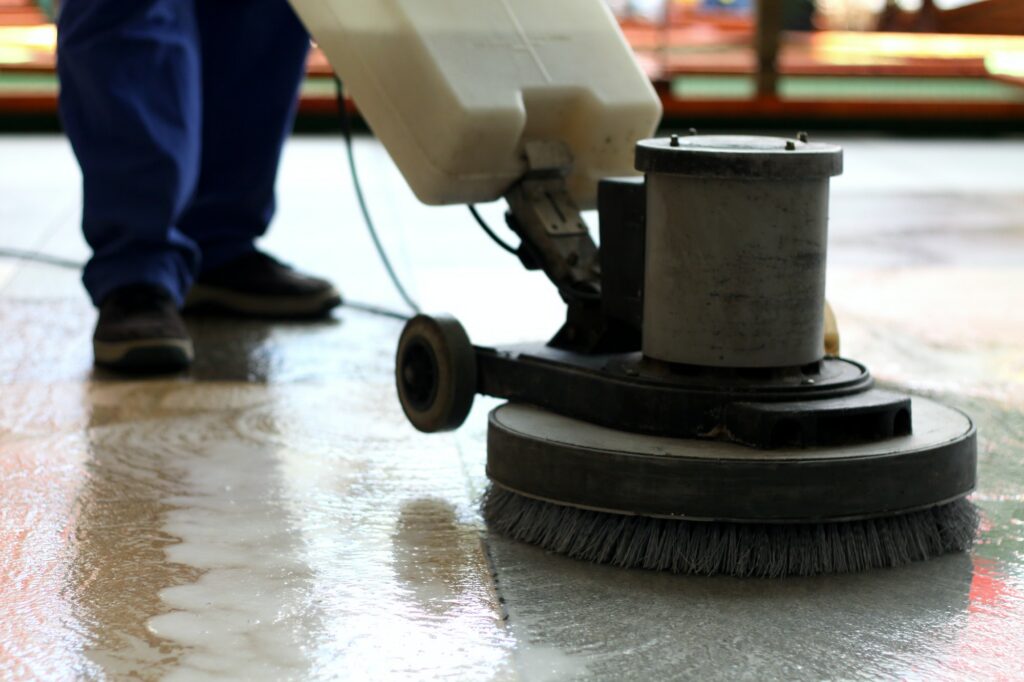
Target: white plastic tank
x: 454, y: 88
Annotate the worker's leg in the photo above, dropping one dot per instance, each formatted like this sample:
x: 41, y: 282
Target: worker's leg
x: 130, y: 104
x: 254, y: 54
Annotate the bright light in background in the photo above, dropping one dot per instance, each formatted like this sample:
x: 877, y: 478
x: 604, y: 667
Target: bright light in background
x: 904, y: 45
x: 41, y: 36
x: 651, y: 10
x: 952, y: 4
x: 862, y: 15
x: 19, y: 44
x: 906, y: 5
x: 1006, y: 64
x: 856, y: 15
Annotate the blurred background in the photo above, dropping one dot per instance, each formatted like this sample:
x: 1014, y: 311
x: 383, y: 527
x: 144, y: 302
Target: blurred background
x: 849, y: 64
x: 353, y: 525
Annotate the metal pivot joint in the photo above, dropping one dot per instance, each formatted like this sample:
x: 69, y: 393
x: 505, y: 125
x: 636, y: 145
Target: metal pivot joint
x: 543, y: 214
x: 556, y: 239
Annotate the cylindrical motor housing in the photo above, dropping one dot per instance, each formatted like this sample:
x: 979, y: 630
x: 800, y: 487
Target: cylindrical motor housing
x: 735, y: 249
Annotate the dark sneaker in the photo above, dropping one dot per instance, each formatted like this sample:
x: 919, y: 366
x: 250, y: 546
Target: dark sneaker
x: 257, y: 285
x: 141, y: 330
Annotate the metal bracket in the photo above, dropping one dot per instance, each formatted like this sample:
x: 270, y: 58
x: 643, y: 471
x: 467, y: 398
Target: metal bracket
x: 544, y: 215
x: 555, y: 239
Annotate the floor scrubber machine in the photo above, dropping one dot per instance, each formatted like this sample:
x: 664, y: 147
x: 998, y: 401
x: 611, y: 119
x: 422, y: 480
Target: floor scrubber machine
x: 689, y: 415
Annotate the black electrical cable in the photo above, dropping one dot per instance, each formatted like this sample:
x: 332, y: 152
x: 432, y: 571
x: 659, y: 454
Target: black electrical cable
x: 346, y: 130
x: 37, y: 257
x: 375, y: 310
x: 46, y: 259
x: 490, y: 233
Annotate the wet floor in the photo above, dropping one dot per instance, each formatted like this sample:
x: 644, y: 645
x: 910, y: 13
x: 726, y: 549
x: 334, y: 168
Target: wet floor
x: 271, y: 515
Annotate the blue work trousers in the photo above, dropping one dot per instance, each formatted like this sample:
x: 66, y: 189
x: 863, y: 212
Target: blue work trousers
x: 177, y: 111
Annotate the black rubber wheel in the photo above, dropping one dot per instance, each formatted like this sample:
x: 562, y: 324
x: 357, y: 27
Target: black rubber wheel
x: 435, y: 372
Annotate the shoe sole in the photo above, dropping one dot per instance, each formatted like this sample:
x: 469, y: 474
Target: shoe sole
x: 144, y: 356
x: 206, y: 298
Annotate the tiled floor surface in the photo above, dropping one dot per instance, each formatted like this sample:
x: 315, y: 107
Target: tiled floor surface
x: 271, y: 514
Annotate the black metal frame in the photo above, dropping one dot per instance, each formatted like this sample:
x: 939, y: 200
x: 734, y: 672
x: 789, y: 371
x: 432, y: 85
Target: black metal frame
x: 828, y: 403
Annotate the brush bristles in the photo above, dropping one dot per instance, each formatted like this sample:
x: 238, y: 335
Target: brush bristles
x: 738, y: 549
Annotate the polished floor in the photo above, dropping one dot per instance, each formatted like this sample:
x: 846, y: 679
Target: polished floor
x: 271, y: 515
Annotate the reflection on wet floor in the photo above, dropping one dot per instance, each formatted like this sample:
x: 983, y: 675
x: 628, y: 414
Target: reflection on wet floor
x: 268, y: 519
x: 280, y: 520
x: 271, y: 515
